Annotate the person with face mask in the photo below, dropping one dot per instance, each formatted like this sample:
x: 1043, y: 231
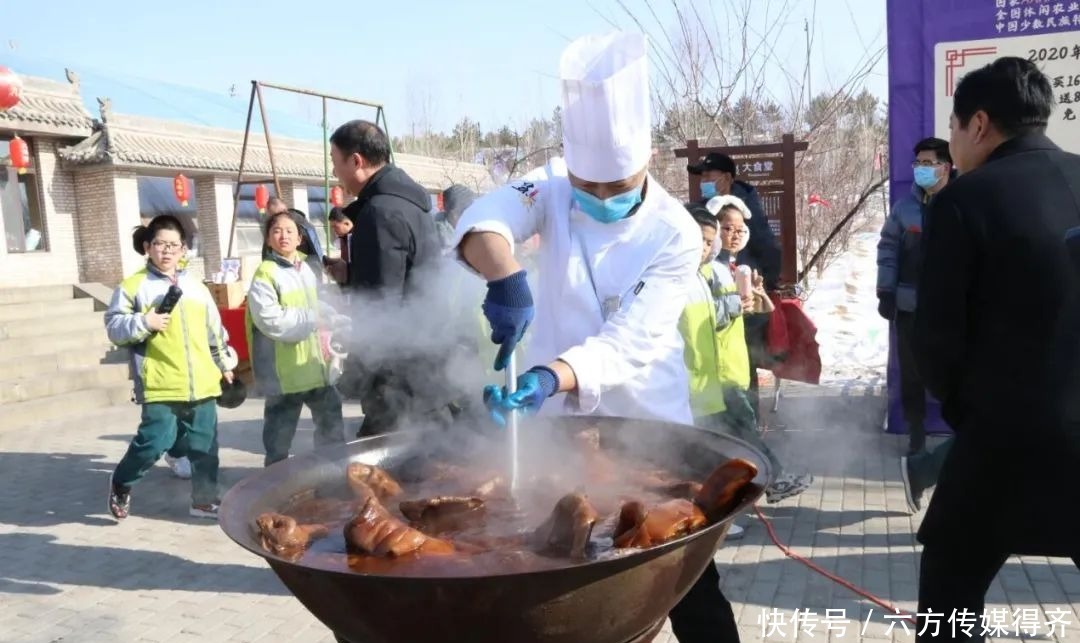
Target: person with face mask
x: 617, y: 259
x: 1007, y: 381
x: 718, y: 178
x: 898, y: 260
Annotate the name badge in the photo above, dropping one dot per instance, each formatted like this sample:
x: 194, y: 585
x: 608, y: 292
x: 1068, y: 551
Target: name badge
x: 611, y: 306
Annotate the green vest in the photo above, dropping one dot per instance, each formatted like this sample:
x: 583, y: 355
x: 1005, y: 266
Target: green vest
x: 702, y: 347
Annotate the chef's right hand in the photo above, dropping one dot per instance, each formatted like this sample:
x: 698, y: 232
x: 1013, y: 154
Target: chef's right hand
x: 156, y: 321
x: 532, y: 388
x: 508, y: 307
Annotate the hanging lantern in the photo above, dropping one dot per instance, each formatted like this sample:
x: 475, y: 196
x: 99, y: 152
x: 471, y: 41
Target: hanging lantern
x: 10, y: 89
x: 337, y: 196
x: 19, y: 152
x: 180, y: 189
x: 262, y: 197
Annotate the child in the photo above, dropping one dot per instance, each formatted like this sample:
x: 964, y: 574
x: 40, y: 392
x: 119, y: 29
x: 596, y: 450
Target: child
x: 283, y: 317
x: 338, y: 268
x: 177, y: 366
x: 698, y: 325
x: 732, y: 215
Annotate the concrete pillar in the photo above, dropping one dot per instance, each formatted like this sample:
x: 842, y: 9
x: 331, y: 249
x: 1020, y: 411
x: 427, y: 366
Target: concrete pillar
x: 294, y: 193
x: 214, y: 197
x: 108, y: 212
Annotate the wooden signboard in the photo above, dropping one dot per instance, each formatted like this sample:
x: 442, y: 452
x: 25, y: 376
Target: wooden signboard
x: 771, y: 170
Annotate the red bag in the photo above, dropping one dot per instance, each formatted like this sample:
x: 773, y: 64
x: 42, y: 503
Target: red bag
x: 791, y: 338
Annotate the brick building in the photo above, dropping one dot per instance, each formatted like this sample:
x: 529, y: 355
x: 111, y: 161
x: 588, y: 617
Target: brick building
x: 91, y: 180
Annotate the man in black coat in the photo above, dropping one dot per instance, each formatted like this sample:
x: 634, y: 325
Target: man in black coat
x: 996, y: 282
x: 393, y: 233
x: 394, y: 250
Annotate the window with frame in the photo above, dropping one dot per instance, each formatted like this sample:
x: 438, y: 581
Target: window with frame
x: 20, y: 206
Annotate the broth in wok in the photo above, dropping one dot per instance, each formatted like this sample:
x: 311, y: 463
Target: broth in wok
x: 452, y: 517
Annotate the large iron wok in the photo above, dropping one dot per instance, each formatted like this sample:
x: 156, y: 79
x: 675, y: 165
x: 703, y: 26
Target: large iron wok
x: 606, y: 601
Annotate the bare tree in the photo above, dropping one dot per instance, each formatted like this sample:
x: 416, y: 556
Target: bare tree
x: 710, y: 66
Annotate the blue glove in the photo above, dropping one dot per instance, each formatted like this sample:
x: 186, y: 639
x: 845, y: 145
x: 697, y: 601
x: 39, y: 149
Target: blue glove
x: 533, y: 387
x: 508, y: 307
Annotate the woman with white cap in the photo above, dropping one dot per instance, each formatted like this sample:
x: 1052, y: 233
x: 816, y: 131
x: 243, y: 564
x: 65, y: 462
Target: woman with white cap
x: 617, y: 259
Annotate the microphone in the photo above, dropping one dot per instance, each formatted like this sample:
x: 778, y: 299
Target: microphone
x: 169, y: 301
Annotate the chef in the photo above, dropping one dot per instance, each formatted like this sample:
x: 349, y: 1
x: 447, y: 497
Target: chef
x: 616, y: 261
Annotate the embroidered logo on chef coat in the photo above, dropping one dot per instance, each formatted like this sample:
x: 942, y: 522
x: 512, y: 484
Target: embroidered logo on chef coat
x: 528, y: 191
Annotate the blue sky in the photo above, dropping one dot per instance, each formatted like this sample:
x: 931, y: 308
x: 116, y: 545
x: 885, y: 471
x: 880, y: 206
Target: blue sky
x: 426, y: 60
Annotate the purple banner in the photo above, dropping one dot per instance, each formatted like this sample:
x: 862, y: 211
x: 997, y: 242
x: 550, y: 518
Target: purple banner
x: 915, y: 28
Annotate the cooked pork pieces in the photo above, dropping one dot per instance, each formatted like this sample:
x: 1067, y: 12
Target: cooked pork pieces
x: 281, y: 535
x: 724, y: 488
x: 643, y: 527
x: 363, y: 477
x: 443, y: 513
x: 375, y: 531
x: 567, y: 530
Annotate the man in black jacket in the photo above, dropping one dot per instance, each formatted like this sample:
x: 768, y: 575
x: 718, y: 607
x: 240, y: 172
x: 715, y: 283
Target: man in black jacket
x: 1005, y: 377
x: 394, y: 246
x: 393, y: 232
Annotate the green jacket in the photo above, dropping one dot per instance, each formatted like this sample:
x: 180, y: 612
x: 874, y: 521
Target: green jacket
x: 182, y: 363
x: 281, y: 321
x: 702, y: 347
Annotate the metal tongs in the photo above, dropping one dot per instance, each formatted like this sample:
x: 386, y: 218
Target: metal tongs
x: 512, y: 420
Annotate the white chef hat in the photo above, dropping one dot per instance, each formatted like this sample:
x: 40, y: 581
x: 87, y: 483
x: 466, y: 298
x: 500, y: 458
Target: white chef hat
x: 607, y: 125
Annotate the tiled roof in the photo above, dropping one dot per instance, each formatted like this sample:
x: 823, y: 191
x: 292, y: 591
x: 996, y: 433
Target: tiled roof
x: 140, y: 142
x: 48, y: 107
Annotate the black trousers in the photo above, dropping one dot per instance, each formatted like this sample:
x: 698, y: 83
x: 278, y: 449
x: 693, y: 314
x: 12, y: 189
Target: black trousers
x: 704, y: 615
x: 912, y: 389
x: 956, y: 578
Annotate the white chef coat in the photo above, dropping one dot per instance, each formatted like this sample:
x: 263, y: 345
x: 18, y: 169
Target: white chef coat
x: 629, y: 362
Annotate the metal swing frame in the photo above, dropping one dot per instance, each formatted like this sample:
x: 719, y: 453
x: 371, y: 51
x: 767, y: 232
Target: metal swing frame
x: 257, y: 94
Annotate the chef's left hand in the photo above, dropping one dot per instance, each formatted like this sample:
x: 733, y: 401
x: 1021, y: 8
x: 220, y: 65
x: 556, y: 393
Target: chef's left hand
x: 533, y: 387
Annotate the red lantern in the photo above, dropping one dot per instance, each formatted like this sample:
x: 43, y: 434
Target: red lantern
x: 262, y: 197
x: 337, y: 196
x: 19, y: 152
x: 180, y: 189
x: 10, y: 89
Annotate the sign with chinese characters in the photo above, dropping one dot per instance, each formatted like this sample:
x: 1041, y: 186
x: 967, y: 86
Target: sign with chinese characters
x: 1033, y: 16
x: 759, y: 170
x: 1057, y: 54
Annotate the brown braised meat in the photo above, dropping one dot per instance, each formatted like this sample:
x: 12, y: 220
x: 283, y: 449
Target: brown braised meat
x: 724, y: 488
x: 374, y: 531
x: 567, y: 530
x: 685, y: 490
x: 443, y: 513
x: 281, y: 535
x: 641, y: 527
x: 373, y: 478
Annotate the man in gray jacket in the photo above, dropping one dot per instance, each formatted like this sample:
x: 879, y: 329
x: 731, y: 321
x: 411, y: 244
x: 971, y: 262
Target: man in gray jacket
x: 898, y: 260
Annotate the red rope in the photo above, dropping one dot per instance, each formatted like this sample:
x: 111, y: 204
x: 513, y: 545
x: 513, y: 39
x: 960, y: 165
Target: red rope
x: 833, y: 577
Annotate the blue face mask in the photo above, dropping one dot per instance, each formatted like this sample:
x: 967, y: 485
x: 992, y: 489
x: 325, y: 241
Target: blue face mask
x: 925, y: 176
x: 608, y: 210
x: 708, y: 189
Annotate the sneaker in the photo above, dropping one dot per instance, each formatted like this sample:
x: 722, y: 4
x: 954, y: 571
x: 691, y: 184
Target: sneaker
x: 913, y: 491
x: 119, y: 501
x: 181, y: 467
x: 788, y: 485
x: 204, y: 511
x: 735, y: 532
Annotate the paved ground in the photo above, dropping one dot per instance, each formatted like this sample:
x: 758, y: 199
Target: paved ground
x: 68, y: 572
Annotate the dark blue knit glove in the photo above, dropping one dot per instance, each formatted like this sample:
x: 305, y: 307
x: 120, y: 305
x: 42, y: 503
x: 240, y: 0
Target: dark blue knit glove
x: 508, y: 307
x: 533, y: 387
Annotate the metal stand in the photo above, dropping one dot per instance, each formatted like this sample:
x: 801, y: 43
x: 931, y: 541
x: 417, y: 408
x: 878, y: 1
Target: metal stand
x: 256, y: 93
x: 512, y: 421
